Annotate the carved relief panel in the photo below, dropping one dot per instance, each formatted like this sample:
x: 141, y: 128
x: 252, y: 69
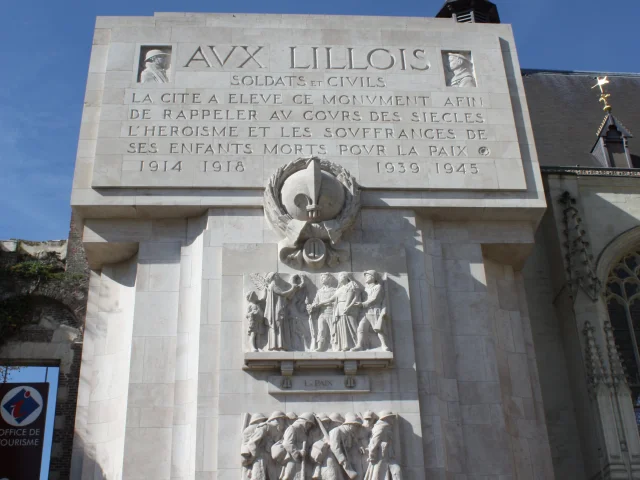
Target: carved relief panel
x: 345, y: 312
x: 154, y: 64
x: 458, y: 68
x: 319, y: 446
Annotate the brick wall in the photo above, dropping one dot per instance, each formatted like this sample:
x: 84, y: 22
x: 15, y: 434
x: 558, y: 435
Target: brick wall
x: 65, y: 418
x: 55, y: 336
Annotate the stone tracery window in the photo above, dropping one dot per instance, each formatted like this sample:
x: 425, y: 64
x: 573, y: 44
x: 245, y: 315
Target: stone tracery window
x: 623, y: 303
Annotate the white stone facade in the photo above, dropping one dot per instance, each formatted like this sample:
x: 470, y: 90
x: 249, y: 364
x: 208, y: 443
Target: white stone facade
x: 165, y: 381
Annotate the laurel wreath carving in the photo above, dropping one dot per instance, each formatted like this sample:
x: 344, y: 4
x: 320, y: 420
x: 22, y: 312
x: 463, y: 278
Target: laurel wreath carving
x: 278, y: 216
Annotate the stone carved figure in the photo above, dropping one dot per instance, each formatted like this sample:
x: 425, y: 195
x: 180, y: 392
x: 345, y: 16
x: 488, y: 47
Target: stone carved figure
x: 375, y: 312
x: 320, y: 447
x: 461, y: 69
x: 296, y: 444
x: 156, y: 63
x: 280, y: 315
x: 276, y: 296
x: 344, y: 301
x: 312, y: 203
x: 364, y: 436
x: 291, y: 417
x: 336, y: 419
x: 255, y: 319
x: 382, y: 461
x: 317, y: 439
x: 317, y: 433
x: 300, y: 331
x: 254, y: 421
x: 322, y: 327
x: 332, y: 454
x: 262, y: 453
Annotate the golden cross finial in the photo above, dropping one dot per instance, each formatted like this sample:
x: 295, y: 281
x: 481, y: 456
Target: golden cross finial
x: 602, y: 81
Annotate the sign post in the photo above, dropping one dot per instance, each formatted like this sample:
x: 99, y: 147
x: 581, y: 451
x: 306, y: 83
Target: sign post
x: 23, y: 413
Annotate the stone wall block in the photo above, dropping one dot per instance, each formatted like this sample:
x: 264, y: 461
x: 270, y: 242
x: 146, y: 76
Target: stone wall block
x: 243, y: 226
x: 214, y: 308
x: 488, y: 450
x: 451, y: 232
x: 98, y: 62
x: 458, y: 276
x: 232, y: 295
x: 212, y: 263
x: 231, y: 350
x: 148, y: 454
x: 241, y: 258
x: 159, y: 359
x: 164, y: 323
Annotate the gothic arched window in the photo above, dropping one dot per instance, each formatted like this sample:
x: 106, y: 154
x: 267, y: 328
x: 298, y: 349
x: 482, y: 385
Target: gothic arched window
x: 623, y: 303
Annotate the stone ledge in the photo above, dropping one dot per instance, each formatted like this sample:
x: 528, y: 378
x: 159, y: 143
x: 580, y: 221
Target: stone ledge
x: 316, y: 360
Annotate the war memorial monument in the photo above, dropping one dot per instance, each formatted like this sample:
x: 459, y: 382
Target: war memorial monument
x: 306, y: 236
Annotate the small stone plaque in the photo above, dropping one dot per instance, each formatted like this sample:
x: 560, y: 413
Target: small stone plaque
x: 320, y: 384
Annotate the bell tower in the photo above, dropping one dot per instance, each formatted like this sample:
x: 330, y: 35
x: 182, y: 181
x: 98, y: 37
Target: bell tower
x: 470, y: 11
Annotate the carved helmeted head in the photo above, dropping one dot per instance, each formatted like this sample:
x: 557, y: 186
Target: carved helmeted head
x: 370, y: 276
x: 277, y: 420
x: 458, y: 61
x: 312, y: 194
x: 257, y: 418
x: 158, y: 58
x: 387, y: 416
x: 309, y: 420
x: 351, y: 421
x: 336, y: 419
x: 324, y: 418
x: 369, y: 418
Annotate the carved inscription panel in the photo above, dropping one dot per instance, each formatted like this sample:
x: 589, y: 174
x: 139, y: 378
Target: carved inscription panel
x: 347, y: 384
x: 204, y: 112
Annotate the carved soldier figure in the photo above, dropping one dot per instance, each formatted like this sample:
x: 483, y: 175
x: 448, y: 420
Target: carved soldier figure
x: 254, y: 421
x: 317, y: 433
x: 291, y: 417
x: 344, y: 312
x: 334, y: 460
x: 336, y: 419
x: 318, y: 441
x: 382, y: 461
x: 460, y: 66
x: 375, y: 312
x: 364, y: 436
x: 265, y: 441
x: 324, y: 334
x: 296, y: 444
x: 254, y: 318
x: 275, y: 311
x: 156, y: 63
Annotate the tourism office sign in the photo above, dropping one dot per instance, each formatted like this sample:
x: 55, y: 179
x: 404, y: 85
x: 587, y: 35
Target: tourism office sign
x: 23, y: 411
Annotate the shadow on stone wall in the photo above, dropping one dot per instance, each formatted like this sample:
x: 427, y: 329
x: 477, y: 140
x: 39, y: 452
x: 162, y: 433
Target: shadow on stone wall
x: 84, y: 463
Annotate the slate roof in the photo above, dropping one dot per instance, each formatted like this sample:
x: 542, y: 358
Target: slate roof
x: 566, y: 114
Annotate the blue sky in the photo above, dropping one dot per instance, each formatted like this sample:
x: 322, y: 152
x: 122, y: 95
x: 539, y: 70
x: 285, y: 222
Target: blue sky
x: 45, y: 47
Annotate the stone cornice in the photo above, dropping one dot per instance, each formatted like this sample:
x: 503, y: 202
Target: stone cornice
x: 592, y: 171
